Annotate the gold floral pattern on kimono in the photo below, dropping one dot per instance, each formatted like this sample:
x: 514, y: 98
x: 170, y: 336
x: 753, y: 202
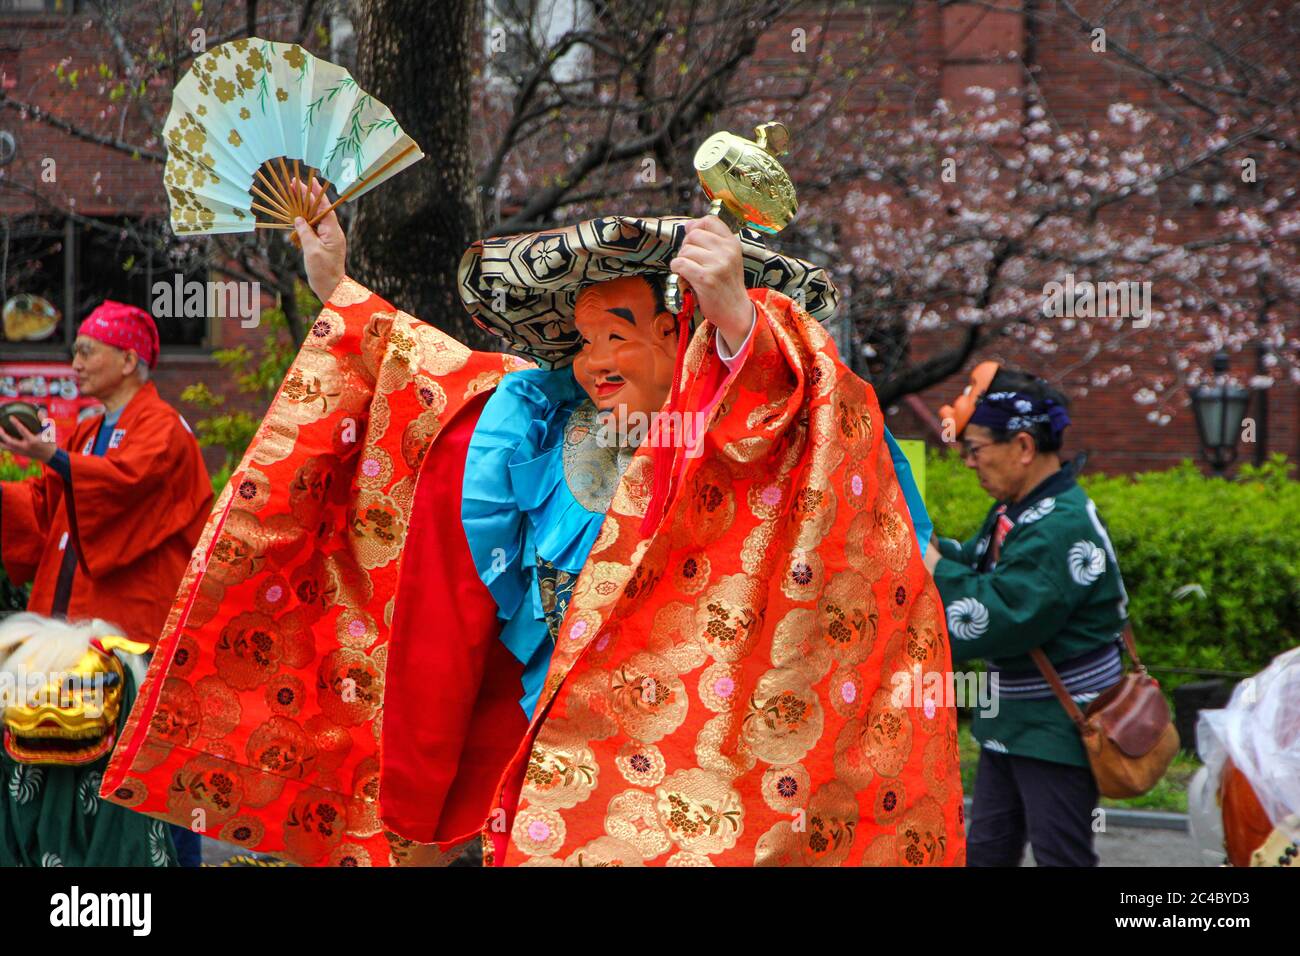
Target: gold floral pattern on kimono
x: 720, y: 688
x: 736, y: 667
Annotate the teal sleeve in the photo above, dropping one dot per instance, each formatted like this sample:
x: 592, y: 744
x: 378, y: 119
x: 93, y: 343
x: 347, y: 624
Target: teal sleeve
x: 516, y: 508
x: 915, y: 503
x: 955, y: 550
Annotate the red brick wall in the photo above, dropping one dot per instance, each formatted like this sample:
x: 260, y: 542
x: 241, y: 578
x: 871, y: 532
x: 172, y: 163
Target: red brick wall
x: 983, y: 47
x: 1110, y: 425
x: 92, y: 180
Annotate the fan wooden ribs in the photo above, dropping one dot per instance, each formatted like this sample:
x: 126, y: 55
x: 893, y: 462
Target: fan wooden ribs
x: 285, y: 202
x: 278, y: 186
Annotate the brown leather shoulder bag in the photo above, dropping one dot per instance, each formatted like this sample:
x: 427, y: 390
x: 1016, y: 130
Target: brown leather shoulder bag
x: 1127, y: 731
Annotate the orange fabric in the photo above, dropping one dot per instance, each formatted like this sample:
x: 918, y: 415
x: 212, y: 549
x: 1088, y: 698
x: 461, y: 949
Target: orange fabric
x: 665, y: 455
x: 134, y: 514
x: 958, y: 415
x: 1246, y: 825
x: 264, y: 708
x: 720, y: 692
x: 724, y: 692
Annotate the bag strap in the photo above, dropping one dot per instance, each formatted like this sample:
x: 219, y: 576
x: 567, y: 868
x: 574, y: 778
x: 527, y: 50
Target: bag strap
x: 1058, y: 688
x: 1131, y: 645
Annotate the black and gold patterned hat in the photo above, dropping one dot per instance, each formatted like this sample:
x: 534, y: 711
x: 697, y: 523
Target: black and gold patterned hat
x: 524, y: 288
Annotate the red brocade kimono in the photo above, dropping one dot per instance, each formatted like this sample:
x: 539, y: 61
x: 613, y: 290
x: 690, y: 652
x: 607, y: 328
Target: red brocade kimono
x: 131, y: 517
x: 330, y: 686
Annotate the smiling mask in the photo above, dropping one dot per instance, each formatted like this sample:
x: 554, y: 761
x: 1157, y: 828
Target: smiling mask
x: 629, y: 347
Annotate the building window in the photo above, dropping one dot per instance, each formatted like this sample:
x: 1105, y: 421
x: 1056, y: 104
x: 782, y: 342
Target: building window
x: 40, y: 6
x: 121, y: 259
x: 517, y: 35
x: 33, y: 258
x: 54, y: 272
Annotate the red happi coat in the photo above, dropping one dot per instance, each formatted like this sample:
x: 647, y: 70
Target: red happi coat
x: 133, y: 516
x: 331, y: 686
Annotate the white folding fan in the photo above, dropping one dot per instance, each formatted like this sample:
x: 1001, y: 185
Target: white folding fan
x: 245, y: 117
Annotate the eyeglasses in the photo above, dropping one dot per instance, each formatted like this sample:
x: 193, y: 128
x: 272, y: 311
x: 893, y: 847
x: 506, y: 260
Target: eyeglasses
x: 969, y: 450
x: 84, y: 349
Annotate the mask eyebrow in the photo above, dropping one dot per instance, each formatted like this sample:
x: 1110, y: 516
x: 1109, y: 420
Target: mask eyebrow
x: 623, y: 314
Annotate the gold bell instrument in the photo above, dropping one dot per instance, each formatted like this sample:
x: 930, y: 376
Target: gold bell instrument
x: 747, y: 186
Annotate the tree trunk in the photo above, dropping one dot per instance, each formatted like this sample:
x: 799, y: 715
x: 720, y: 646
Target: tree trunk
x: 409, y: 234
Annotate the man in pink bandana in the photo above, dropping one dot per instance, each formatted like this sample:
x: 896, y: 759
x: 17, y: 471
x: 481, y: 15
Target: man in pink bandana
x: 106, y: 530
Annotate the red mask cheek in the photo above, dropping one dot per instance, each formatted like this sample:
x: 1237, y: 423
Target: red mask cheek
x: 629, y: 358
x: 637, y: 362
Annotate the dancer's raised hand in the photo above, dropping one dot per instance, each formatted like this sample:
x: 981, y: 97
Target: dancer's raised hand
x: 324, y: 251
x: 711, y: 260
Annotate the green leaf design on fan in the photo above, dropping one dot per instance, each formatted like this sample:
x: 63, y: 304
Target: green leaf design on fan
x: 351, y: 143
x: 309, y: 117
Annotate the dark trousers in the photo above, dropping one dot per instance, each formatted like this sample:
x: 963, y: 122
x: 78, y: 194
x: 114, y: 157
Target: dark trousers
x: 189, y: 846
x: 1015, y: 797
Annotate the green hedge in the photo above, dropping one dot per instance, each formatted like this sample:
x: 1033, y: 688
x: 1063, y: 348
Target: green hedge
x: 1212, y: 566
x: 13, y: 598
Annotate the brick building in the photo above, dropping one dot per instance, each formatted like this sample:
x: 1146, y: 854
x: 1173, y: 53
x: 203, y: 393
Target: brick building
x: 990, y: 45
x: 83, y: 220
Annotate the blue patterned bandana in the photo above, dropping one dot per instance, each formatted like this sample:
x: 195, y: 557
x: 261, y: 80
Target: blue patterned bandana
x: 1012, y: 412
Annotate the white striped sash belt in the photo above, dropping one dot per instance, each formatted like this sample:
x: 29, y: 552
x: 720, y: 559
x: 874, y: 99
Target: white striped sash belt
x: 1085, y: 676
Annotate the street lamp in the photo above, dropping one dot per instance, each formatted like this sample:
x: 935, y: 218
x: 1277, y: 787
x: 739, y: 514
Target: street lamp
x: 1261, y: 384
x: 1220, y: 409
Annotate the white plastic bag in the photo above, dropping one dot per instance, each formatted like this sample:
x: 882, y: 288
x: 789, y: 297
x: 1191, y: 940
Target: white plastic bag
x: 1205, y: 817
x: 1259, y: 731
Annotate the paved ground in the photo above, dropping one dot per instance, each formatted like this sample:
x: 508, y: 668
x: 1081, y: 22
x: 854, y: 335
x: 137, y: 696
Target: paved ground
x: 1136, y: 846
x: 1129, y: 846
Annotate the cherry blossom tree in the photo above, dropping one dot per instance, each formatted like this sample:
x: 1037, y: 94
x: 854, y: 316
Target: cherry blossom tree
x: 946, y: 223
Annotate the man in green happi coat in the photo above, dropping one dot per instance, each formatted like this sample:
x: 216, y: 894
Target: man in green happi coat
x: 1041, y: 573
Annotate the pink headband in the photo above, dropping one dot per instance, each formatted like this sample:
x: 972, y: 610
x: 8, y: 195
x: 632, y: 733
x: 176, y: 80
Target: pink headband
x: 123, y: 326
